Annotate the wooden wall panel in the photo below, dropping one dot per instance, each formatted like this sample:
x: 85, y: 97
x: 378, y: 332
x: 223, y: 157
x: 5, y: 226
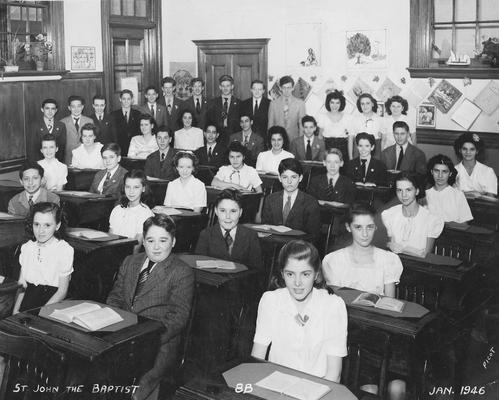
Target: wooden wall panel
x: 12, y: 141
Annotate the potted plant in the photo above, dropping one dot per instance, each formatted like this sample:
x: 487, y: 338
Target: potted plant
x: 40, y: 51
x: 15, y: 52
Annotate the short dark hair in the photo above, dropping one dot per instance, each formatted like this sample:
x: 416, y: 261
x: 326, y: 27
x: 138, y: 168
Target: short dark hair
x: 50, y: 101
x: 257, y: 81
x: 210, y: 123
x: 396, y: 99
x: 74, y: 97
x: 276, y: 129
x: 246, y: 114
x: 161, y: 220
x: 45, y: 208
x: 152, y: 121
x: 196, y: 79
x: 333, y: 150
x: 291, y: 164
x: 151, y: 87
x: 164, y: 128
x: 168, y: 79
x: 49, y: 137
x: 226, y: 77
x: 359, y: 208
x: 441, y: 159
x: 186, y: 154
x: 286, y: 79
x: 99, y: 97
x: 237, y: 147
x: 229, y: 194
x: 370, y: 97
x: 411, y: 177
x: 31, y: 165
x: 89, y: 126
x: 338, y: 95
x: 468, y: 137
x: 114, y: 147
x: 400, y: 124
x: 308, y: 118
x: 126, y: 91
x: 366, y: 136
x: 181, y: 117
x: 145, y: 196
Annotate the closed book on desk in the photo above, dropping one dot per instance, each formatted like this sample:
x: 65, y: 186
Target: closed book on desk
x: 88, y: 315
x: 293, y: 386
x: 384, y: 303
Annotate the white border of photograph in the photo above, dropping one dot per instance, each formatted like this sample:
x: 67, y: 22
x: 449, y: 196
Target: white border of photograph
x: 303, y: 45
x: 432, y: 123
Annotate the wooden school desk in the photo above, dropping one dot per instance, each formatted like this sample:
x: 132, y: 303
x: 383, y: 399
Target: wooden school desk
x: 80, y: 179
x: 485, y: 210
x: 158, y: 189
x: 104, y: 358
x: 331, y: 219
x: 310, y: 169
x: 95, y: 264
x: 370, y: 193
x: 12, y: 233
x: 133, y: 163
x: 221, y: 387
x: 250, y: 202
x: 8, y: 189
x: 206, y: 173
x: 87, y: 209
x: 270, y: 183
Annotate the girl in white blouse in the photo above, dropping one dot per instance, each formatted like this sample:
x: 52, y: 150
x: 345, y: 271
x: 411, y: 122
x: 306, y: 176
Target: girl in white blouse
x: 442, y: 199
x: 361, y: 265
x: 143, y: 145
x: 46, y: 260
x: 368, y: 121
x: 411, y: 228
x: 268, y: 161
x: 189, y: 137
x: 127, y: 218
x: 396, y: 109
x: 186, y: 191
x: 87, y: 155
x: 472, y: 176
x: 304, y: 325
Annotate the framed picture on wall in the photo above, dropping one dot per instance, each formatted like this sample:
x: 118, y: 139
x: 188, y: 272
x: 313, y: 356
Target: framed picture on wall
x: 426, y: 116
x: 82, y: 58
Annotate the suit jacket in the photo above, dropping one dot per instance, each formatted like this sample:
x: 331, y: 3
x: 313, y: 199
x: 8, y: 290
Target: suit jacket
x: 414, y: 159
x: 114, y: 187
x: 215, y: 115
x: 255, y: 146
x: 40, y: 129
x: 164, y: 170
x: 172, y: 117
x: 125, y: 131
x: 219, y: 155
x: 18, y: 205
x: 106, y: 132
x: 296, y: 112
x: 166, y: 297
x: 376, y: 171
x: 245, y: 249
x: 72, y: 136
x: 304, y: 215
x: 261, y: 119
x: 200, y: 117
x: 297, y: 147
x: 343, y: 191
x: 160, y: 116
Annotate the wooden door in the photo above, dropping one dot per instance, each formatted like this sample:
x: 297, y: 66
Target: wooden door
x: 243, y: 59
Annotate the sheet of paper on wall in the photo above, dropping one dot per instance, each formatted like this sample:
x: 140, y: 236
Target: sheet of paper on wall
x: 445, y: 96
x: 466, y: 113
x: 131, y: 83
x: 387, y: 90
x: 488, y: 98
x: 302, y: 89
x: 357, y: 89
x: 275, y: 92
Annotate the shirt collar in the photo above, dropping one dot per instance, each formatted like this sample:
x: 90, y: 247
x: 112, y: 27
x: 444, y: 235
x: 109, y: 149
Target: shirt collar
x: 113, y: 170
x: 305, y: 140
x: 293, y: 196
x: 33, y: 196
x: 48, y: 121
x: 232, y: 232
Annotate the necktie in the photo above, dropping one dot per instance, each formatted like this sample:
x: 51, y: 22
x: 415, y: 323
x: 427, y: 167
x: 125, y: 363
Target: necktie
x: 30, y: 201
x: 286, y: 210
x: 330, y: 190
x: 152, y: 111
x: 401, y: 157
x: 162, y: 157
x: 245, y: 140
x: 144, y: 274
x: 308, y: 154
x: 228, y: 240
x: 100, y: 118
x: 106, y: 181
x: 363, y: 170
x: 256, y: 108
x: 286, y: 109
x: 169, y: 108
x: 77, y: 125
x: 210, y: 154
x: 198, y: 106
x: 235, y: 177
x: 50, y: 126
x: 126, y: 116
x: 226, y: 105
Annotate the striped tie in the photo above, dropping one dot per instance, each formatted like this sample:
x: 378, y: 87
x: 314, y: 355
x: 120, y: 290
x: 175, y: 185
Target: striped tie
x: 144, y: 274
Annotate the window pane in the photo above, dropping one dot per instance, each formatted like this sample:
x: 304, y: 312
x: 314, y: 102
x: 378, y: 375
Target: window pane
x: 118, y: 75
x: 465, y: 41
x: 135, y: 52
x: 18, y: 26
x: 489, y: 10
x: 128, y: 8
x: 466, y: 10
x: 116, y: 7
x: 31, y: 14
x: 486, y: 33
x: 140, y: 8
x: 15, y: 13
x: 119, y: 51
x: 35, y: 27
x: 443, y: 40
x: 39, y: 14
x: 24, y: 13
x: 443, y: 10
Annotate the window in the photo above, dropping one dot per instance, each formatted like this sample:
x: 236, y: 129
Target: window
x: 28, y: 38
x: 441, y: 26
x: 130, y: 8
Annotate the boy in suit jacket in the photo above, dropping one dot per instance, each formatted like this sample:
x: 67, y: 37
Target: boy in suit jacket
x: 197, y: 104
x: 73, y: 123
x: 366, y: 168
x: 47, y: 124
x: 109, y: 181
x: 308, y: 147
x: 291, y: 206
x: 257, y: 108
x: 104, y: 122
x: 403, y: 156
x: 173, y: 105
x: 213, y: 153
x: 157, y: 285
x: 126, y: 120
x: 30, y: 176
x: 287, y: 111
x: 160, y: 163
x: 253, y: 142
x: 152, y: 108
x: 224, y: 110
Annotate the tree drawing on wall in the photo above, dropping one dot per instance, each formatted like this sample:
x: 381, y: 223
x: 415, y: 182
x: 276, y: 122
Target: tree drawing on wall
x: 357, y: 46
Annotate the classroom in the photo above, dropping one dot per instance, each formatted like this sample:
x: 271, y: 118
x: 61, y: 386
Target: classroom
x: 214, y: 200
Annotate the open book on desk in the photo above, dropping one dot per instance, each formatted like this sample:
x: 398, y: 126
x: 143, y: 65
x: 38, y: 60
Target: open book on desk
x: 365, y: 184
x: 79, y: 193
x: 88, y: 315
x: 293, y: 386
x: 275, y: 229
x: 382, y: 302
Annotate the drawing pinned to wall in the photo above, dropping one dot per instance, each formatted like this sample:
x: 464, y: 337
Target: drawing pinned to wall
x: 426, y: 117
x: 366, y: 49
x: 357, y: 89
x: 444, y: 96
x: 466, y: 114
x: 303, y: 45
x: 82, y: 58
x: 275, y: 92
x: 302, y: 89
x: 183, y: 89
x: 387, y: 90
x: 488, y: 98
